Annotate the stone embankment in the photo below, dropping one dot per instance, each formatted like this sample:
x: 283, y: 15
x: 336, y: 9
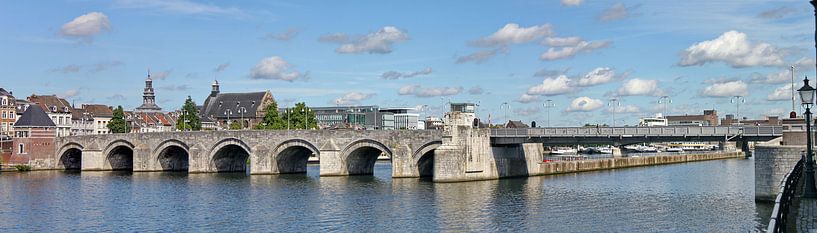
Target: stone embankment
x: 550, y: 168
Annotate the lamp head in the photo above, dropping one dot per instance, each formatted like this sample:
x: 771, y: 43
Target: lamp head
x: 806, y: 93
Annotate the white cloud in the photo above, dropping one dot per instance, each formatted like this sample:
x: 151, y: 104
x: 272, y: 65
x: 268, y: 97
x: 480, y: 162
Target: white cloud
x: 481, y: 56
x: 562, y: 41
x: 804, y: 64
x: 87, y: 25
x: 733, y: 48
x: 615, y: 12
x: 527, y: 111
x: 639, y: 87
x: 550, y: 73
x: 552, y: 86
x: 513, y: 34
x: 221, y: 67
x: 419, y: 91
x: 726, y: 89
x: 379, y: 42
x: 781, y: 93
x: 783, y: 76
x: 778, y: 13
x: 571, y: 51
x: 70, y: 93
x: 396, y: 75
x: 584, y: 104
x: 179, y: 6
x: 274, y: 68
x: 525, y: 98
x: 161, y: 75
x: 353, y: 98
x: 572, y: 2
x: 600, y: 75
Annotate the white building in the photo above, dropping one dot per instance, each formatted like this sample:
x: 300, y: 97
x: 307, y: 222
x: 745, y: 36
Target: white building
x: 91, y: 119
x: 404, y: 118
x: 657, y: 120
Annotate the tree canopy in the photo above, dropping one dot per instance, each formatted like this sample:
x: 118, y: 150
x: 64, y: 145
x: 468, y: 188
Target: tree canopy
x: 189, y: 119
x: 272, y: 119
x: 118, y: 124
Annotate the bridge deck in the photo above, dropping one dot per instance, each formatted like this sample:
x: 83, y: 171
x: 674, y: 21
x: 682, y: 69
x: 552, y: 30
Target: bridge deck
x: 634, y: 134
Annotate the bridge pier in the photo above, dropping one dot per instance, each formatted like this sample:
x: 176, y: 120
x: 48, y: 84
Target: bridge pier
x: 93, y: 160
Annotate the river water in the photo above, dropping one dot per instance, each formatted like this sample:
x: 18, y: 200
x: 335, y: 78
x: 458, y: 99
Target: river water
x: 711, y: 196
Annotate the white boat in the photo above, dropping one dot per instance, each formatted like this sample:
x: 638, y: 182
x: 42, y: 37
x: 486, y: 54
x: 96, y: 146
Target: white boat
x: 563, y: 151
x: 603, y: 150
x: 675, y: 149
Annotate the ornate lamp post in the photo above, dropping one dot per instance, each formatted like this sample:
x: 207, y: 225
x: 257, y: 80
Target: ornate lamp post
x: 807, y: 99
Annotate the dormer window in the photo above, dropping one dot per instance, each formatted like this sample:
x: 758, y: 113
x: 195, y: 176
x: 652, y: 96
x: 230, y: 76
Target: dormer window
x: 53, y: 108
x: 65, y: 109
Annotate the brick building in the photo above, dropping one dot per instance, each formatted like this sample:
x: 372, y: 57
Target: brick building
x: 709, y: 118
x: 34, y: 137
x: 58, y: 109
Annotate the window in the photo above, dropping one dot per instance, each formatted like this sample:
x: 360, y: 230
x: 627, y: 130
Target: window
x: 4, y: 115
x: 21, y: 149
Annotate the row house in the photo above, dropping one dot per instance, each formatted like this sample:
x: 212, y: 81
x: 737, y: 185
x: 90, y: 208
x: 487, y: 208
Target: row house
x: 58, y: 109
x: 8, y: 115
x: 147, y: 122
x: 91, y: 119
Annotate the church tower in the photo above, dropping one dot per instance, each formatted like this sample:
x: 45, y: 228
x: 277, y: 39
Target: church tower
x: 148, y: 98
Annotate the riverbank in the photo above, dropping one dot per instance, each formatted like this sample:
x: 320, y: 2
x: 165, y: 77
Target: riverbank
x: 551, y: 168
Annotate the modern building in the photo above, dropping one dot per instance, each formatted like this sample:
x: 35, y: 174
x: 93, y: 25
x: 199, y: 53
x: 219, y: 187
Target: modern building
x: 58, y: 109
x: 221, y: 109
x: 708, y: 118
x: 657, y: 120
x: 366, y: 117
x: 404, y: 118
x: 8, y: 113
x: 433, y: 123
x: 768, y: 121
x: 34, y: 137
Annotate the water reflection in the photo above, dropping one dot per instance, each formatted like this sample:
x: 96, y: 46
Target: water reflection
x: 713, y: 196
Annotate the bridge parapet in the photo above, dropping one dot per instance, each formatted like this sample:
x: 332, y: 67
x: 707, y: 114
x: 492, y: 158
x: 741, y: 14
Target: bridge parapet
x: 627, y: 135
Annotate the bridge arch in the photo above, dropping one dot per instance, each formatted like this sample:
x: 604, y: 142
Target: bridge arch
x: 172, y: 155
x: 229, y: 155
x: 70, y: 156
x: 291, y: 156
x: 423, y: 157
x: 360, y: 156
x: 119, y: 155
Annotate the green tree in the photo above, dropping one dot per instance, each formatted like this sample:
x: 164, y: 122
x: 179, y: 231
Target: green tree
x: 189, y: 119
x: 301, y: 116
x: 272, y: 119
x: 118, y: 123
x: 235, y: 125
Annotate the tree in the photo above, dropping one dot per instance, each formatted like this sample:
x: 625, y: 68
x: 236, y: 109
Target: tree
x: 272, y: 120
x: 118, y: 123
x: 301, y: 116
x: 189, y: 119
x: 235, y: 125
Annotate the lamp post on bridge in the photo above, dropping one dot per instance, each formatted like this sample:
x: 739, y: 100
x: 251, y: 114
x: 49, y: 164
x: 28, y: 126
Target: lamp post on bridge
x: 614, y: 103
x: 665, y: 100
x: 737, y: 100
x: 548, y: 104
x: 505, y: 106
x: 807, y: 99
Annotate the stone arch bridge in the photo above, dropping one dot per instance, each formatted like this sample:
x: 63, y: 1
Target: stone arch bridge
x: 341, y: 152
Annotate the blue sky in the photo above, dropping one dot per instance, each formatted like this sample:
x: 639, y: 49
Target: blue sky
x: 578, y: 53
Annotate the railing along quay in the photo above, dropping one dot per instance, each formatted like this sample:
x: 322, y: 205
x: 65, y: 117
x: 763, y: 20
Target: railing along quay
x: 780, y: 213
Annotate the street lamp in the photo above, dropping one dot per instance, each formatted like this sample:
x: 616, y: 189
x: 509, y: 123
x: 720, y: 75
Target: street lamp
x: 548, y: 104
x: 665, y: 100
x: 505, y: 106
x: 807, y: 99
x: 793, y: 113
x: 737, y: 100
x: 228, y: 113
x: 614, y: 102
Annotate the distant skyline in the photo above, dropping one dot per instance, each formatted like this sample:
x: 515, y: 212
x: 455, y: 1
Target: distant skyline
x: 578, y: 53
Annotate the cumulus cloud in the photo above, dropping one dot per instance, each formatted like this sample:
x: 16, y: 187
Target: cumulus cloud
x: 481, y: 56
x: 419, y: 91
x: 221, y: 67
x: 781, y: 93
x: 513, y: 34
x: 726, y: 89
x: 525, y: 98
x: 552, y: 86
x: 562, y: 41
x: 161, y: 75
x: 616, y: 12
x: 777, y: 13
x: 639, y: 87
x: 379, y: 42
x: 275, y: 68
x: 804, y: 64
x: 476, y: 90
x: 352, y: 98
x: 86, y: 26
x: 733, y: 48
x: 282, y: 36
x: 584, y: 104
x: 70, y: 93
x: 391, y: 75
x: 572, y: 2
x: 179, y: 6
x: 782, y: 76
x: 554, y: 53
x: 598, y: 76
